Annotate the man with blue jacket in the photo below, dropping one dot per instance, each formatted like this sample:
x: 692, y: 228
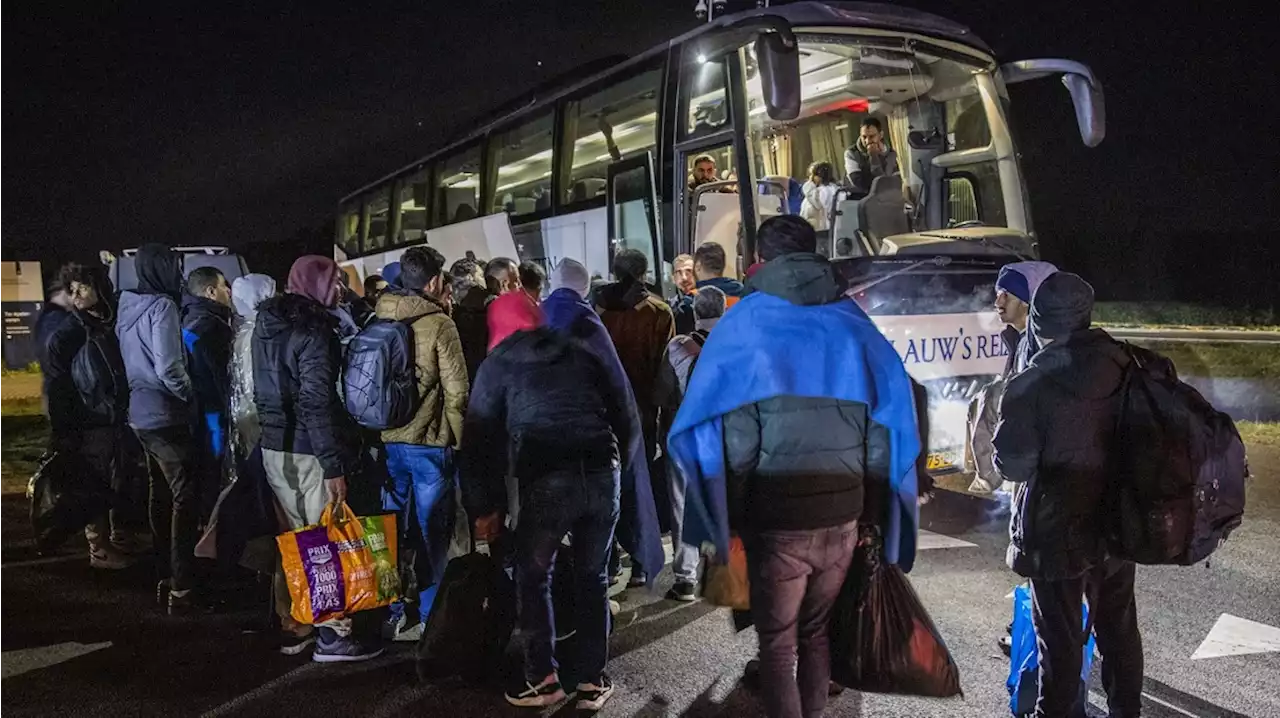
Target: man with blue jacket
x: 800, y: 404
x: 161, y: 409
x: 207, y: 336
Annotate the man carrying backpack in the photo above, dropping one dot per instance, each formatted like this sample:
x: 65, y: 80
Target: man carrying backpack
x: 673, y: 379
x: 420, y: 453
x: 85, y: 391
x: 1054, y: 440
x: 306, y: 444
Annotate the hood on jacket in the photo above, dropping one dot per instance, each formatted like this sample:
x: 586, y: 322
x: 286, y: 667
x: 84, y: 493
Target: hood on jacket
x: 510, y: 313
x: 620, y: 296
x: 402, y: 304
x: 1089, y: 364
x: 284, y: 313
x: 1022, y: 279
x: 159, y: 270
x: 316, y: 278
x: 533, y: 345
x: 195, y: 308
x: 801, y: 278
x: 730, y: 287
x: 249, y: 291
x: 571, y: 274
x: 391, y: 273
x: 134, y: 307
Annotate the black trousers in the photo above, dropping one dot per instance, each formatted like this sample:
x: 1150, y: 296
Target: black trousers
x: 1061, y: 638
x: 175, y: 503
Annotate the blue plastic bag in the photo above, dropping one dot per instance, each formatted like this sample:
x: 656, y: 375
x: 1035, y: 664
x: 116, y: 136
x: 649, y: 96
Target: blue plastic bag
x: 1024, y: 658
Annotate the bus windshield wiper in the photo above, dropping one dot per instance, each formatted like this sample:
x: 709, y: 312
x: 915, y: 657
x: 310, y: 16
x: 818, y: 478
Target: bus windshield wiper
x: 939, y: 261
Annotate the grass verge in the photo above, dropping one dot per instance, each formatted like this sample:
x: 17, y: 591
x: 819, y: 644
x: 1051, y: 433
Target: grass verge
x: 1242, y: 361
x: 26, y: 435
x: 1259, y: 433
x: 1182, y: 314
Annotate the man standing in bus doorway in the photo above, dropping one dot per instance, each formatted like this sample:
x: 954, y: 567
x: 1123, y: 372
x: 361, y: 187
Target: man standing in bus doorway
x: 161, y: 402
x: 870, y: 157
x: 640, y: 325
x: 420, y: 454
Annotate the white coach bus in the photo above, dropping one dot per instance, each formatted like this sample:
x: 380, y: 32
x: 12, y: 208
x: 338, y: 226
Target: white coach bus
x: 604, y: 160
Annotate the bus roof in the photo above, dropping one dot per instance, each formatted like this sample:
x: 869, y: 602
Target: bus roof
x: 876, y: 16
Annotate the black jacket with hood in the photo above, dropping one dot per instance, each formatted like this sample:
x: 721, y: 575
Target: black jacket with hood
x: 207, y: 334
x: 297, y: 360
x: 1057, y: 420
x: 470, y: 314
x: 61, y: 334
x: 541, y: 402
x: 800, y: 462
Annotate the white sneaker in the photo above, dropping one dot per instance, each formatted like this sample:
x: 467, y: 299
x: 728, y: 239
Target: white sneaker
x: 108, y: 558
x: 593, y: 696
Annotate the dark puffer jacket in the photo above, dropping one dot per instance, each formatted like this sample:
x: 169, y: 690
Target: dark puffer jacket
x: 1057, y: 420
x: 60, y: 336
x: 541, y: 402
x: 296, y: 364
x: 207, y: 334
x: 470, y: 316
x: 800, y: 462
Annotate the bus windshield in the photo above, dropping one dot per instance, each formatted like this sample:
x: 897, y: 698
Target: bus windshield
x: 890, y: 140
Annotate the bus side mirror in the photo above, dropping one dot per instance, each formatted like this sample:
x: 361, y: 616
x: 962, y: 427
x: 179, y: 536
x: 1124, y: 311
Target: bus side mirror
x: 1084, y: 87
x: 779, y: 64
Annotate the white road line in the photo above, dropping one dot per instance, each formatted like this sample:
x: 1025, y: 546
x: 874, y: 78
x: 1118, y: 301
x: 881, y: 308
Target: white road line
x: 1235, y: 636
x: 239, y: 702
x: 929, y: 540
x: 44, y: 561
x: 25, y: 660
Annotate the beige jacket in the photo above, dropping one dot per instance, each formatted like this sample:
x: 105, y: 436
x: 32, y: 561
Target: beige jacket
x: 441, y: 370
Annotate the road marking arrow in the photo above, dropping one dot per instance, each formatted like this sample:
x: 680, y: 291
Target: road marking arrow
x: 23, y: 660
x: 930, y: 540
x: 1235, y: 636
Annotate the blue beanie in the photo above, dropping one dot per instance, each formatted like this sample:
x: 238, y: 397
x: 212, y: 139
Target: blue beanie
x: 391, y: 273
x: 1010, y: 280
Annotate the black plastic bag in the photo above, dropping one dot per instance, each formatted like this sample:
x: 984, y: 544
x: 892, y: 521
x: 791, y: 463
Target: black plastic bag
x: 882, y: 639
x: 64, y: 499
x: 470, y: 622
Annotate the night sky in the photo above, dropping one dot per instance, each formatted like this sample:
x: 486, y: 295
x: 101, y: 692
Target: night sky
x: 211, y: 125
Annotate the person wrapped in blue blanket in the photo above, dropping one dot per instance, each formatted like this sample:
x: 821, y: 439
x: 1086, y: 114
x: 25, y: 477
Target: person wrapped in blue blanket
x: 798, y: 408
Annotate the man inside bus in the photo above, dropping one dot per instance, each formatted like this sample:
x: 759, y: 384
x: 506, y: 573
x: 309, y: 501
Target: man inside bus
x: 683, y: 279
x: 704, y: 171
x: 870, y: 157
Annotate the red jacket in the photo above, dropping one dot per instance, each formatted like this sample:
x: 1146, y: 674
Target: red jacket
x: 510, y: 313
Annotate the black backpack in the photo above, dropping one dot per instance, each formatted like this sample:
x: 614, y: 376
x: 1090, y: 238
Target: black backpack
x: 699, y: 337
x: 97, y: 371
x: 1179, y: 468
x: 379, y: 380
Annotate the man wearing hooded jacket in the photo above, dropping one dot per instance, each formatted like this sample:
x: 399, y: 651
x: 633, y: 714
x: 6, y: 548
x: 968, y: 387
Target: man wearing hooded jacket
x: 161, y: 406
x: 1057, y: 419
x: 296, y: 362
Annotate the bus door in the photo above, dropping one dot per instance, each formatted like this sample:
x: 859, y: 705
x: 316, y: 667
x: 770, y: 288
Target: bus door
x: 632, y: 209
x: 715, y: 182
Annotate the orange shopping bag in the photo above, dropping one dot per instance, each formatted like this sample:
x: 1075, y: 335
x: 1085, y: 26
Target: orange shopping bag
x: 340, y: 566
x: 727, y: 584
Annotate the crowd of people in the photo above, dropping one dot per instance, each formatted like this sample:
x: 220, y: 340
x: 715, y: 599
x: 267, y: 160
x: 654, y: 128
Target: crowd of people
x: 583, y: 422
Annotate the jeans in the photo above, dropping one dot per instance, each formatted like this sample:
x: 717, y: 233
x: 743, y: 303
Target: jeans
x: 585, y: 501
x: 684, y: 558
x: 297, y: 480
x: 795, y: 578
x: 98, y: 449
x: 1060, y: 638
x: 421, y: 491
x: 175, y: 503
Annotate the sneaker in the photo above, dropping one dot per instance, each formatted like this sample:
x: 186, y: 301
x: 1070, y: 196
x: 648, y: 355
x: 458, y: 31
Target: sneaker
x: 344, y: 649
x: 834, y: 689
x: 614, y: 608
x: 410, y: 634
x: 1006, y: 645
x: 546, y: 693
x: 291, y: 644
x: 751, y: 674
x: 108, y: 558
x: 162, y: 592
x: 638, y: 580
x: 683, y: 591
x: 593, y: 696
x: 615, y: 577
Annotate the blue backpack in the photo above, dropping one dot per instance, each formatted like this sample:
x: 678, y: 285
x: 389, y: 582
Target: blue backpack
x: 379, y: 380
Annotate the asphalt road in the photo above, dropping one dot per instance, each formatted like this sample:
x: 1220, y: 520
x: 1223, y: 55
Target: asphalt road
x: 83, y: 643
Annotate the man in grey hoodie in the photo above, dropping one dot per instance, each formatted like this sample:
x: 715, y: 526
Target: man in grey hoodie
x: 161, y: 413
